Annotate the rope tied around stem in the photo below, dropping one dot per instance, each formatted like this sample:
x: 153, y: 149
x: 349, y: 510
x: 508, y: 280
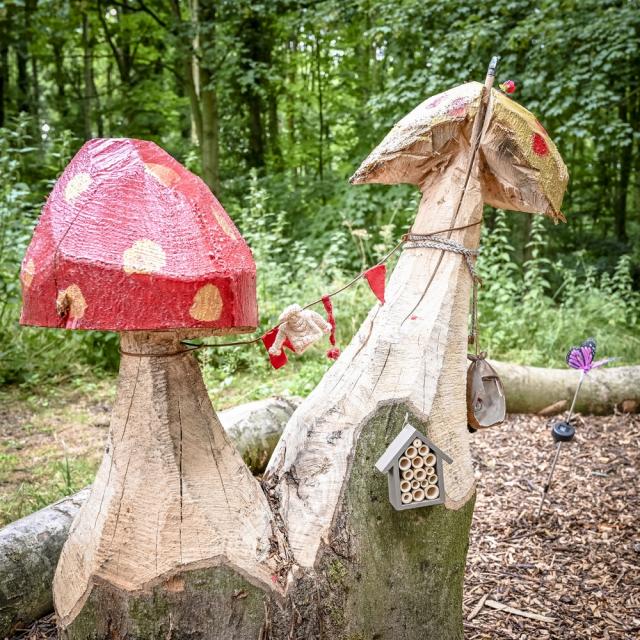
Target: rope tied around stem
x: 431, y: 241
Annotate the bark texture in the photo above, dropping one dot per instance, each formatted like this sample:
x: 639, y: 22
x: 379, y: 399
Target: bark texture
x: 380, y: 573
x: 29, y: 551
x: 212, y: 603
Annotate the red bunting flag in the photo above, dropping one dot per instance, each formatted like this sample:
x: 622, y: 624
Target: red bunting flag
x: 280, y: 359
x: 376, y: 279
x: 334, y: 352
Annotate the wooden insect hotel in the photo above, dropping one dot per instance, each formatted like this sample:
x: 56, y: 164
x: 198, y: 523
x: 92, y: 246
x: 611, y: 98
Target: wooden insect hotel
x: 413, y: 465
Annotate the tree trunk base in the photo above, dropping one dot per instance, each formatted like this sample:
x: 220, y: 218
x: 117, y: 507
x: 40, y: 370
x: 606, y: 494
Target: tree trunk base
x: 387, y: 574
x: 202, y: 604
x: 381, y: 573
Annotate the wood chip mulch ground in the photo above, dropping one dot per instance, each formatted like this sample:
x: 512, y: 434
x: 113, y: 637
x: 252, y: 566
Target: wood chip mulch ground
x: 572, y: 574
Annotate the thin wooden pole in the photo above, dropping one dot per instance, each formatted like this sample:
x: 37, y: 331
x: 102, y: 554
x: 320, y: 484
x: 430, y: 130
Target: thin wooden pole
x: 547, y: 486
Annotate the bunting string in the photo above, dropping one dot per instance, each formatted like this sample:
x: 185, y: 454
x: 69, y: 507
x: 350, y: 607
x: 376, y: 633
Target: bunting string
x: 430, y: 241
x: 277, y: 339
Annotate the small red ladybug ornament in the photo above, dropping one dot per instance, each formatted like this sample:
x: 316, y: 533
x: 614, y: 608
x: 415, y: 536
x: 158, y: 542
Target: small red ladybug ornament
x: 508, y: 87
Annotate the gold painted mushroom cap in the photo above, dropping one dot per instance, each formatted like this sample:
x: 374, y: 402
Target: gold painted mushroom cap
x: 521, y: 167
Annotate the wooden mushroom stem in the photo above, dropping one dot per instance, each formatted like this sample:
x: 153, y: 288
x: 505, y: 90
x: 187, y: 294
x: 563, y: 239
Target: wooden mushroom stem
x: 171, y: 493
x: 410, y: 351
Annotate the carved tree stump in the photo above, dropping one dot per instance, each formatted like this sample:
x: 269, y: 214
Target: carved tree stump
x: 177, y: 539
x: 379, y: 572
x: 175, y: 526
x: 172, y: 496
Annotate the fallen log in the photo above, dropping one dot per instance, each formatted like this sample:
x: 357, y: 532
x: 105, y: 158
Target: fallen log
x: 535, y: 389
x: 30, y: 547
x: 29, y: 551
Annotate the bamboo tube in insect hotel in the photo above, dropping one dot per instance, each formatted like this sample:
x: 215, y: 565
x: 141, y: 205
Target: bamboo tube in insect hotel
x: 411, y: 452
x: 406, y: 498
x: 408, y: 474
x: 432, y: 492
x: 404, y: 463
x: 420, y: 474
x: 418, y: 495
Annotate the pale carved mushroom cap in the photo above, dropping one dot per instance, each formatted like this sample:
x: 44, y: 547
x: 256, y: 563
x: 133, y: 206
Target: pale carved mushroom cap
x: 520, y: 165
x: 131, y: 240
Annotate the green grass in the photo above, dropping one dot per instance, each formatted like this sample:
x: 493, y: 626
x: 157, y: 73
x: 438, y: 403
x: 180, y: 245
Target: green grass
x: 51, y: 442
x: 44, y: 485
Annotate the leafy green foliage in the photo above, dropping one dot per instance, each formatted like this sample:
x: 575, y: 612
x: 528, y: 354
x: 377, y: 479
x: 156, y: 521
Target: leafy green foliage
x: 524, y: 319
x: 33, y: 355
x: 293, y: 95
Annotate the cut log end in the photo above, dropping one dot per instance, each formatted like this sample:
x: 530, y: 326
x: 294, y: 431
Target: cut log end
x: 180, y: 607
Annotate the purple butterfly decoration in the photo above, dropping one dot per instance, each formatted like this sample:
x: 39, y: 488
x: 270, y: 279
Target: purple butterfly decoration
x: 582, y: 357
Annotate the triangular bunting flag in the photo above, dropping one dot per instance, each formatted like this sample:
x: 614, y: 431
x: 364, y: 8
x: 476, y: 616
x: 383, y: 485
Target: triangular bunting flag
x: 334, y: 352
x: 376, y: 279
x: 280, y: 359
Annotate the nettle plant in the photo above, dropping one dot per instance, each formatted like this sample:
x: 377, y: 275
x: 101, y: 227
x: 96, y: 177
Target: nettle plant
x: 524, y: 318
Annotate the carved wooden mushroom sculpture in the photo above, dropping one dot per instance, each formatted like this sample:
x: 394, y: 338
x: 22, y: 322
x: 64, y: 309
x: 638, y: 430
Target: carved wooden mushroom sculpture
x: 130, y: 241
x: 410, y: 357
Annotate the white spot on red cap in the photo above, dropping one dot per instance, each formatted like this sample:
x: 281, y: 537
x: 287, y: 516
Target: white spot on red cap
x: 144, y: 256
x: 71, y: 303
x: 207, y: 304
x: 26, y: 273
x: 163, y: 174
x: 224, y: 223
x: 77, y: 185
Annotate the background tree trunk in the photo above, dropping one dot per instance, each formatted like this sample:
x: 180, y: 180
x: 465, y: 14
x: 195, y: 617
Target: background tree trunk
x: 87, y: 86
x: 22, y: 62
x: 4, y: 64
x: 200, y: 86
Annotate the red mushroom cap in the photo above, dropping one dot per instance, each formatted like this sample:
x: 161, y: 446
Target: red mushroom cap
x: 131, y: 240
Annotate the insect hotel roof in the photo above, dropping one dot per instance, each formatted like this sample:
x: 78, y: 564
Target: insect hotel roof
x: 400, y: 443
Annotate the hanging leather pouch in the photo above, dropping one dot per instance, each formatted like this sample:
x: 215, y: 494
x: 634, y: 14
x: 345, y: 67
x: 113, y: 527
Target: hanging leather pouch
x: 486, y: 404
